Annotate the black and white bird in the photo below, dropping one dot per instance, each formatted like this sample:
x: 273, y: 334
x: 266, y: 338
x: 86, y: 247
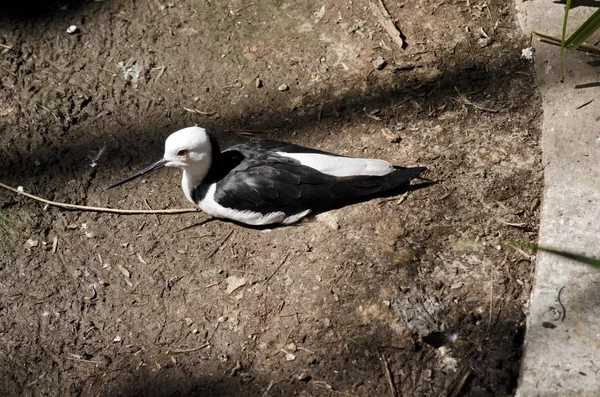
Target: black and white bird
x: 265, y: 182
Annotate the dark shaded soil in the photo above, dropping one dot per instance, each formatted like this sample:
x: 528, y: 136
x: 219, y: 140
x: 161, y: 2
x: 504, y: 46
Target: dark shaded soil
x: 99, y: 304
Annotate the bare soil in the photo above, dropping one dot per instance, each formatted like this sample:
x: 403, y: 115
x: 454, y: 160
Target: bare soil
x: 414, y: 296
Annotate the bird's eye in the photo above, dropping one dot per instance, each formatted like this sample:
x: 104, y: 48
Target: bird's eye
x: 182, y: 153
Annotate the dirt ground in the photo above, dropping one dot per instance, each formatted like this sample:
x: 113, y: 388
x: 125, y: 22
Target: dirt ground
x: 414, y: 296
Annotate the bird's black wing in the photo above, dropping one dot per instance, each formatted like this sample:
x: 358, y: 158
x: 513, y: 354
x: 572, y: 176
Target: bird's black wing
x: 267, y: 182
x: 264, y: 181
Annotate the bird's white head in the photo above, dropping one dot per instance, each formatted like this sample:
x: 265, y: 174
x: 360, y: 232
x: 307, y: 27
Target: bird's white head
x: 189, y: 148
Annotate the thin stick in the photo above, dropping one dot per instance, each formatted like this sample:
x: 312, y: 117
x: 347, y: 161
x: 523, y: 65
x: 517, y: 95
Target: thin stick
x: 386, y: 21
x: 50, y: 111
x: 388, y: 376
x: 517, y: 225
x: 193, y: 349
x: 150, y: 208
x: 466, y: 101
x: 220, y: 245
x: 106, y: 70
x: 585, y: 104
x: 321, y: 384
x: 200, y: 112
x: 97, y: 209
x: 276, y: 270
x: 162, y: 70
x: 491, y: 298
x: 564, y: 310
x: 461, y: 383
x: 556, y: 40
x: 83, y: 360
x: 269, y: 387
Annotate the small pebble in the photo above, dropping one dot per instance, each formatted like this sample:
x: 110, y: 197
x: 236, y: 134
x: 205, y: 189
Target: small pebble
x: 20, y: 188
x: 31, y: 243
x: 527, y: 54
x: 379, y: 63
x: 328, y: 219
x: 72, y: 29
x: 223, y: 357
x: 259, y: 83
x: 304, y: 377
x: 548, y: 325
x: 124, y: 271
x: 292, y: 347
x: 283, y: 87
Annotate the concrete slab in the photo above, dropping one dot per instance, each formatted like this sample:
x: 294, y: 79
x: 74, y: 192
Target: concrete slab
x: 562, y: 345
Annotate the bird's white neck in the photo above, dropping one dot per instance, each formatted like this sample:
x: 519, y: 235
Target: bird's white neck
x: 192, y: 178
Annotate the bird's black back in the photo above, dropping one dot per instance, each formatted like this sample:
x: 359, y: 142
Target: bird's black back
x: 252, y: 177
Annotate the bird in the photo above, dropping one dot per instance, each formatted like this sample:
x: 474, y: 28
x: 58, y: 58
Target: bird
x: 266, y: 182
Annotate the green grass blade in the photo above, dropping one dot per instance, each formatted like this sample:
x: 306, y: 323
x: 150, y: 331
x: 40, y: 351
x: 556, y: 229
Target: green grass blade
x: 576, y: 257
x: 591, y: 25
x: 562, y: 42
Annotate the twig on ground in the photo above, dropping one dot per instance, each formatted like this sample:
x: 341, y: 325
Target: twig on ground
x: 491, y: 299
x: 245, y: 133
x: 276, y: 270
x: 400, y: 199
x: 98, y: 209
x: 49, y: 111
x: 197, y: 224
x: 457, y: 384
x: 556, y: 40
x: 563, y: 314
x: 162, y: 70
x: 200, y: 112
x: 150, y: 208
x: 386, y: 21
x: 320, y: 114
x: 324, y: 385
x: 269, y: 387
x: 305, y: 349
x: 521, y: 225
x: 83, y: 360
x: 234, y: 12
x: 388, y: 375
x: 193, y: 349
x: 220, y: 245
x: 585, y: 104
x: 463, y: 98
x: 106, y: 70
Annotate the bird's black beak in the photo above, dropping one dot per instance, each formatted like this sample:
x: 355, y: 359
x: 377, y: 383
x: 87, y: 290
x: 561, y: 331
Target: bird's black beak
x: 158, y: 165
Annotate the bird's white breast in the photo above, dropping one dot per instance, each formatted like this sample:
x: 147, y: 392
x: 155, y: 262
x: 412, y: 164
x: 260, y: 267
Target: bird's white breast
x: 209, y: 205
